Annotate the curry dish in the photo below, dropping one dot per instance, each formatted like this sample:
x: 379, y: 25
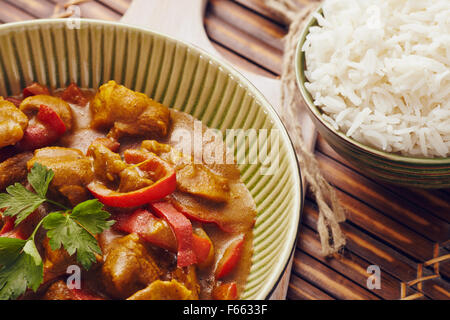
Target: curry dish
x: 100, y: 181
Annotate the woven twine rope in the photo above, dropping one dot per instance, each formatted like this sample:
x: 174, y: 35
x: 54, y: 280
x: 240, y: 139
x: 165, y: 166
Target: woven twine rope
x: 330, y: 211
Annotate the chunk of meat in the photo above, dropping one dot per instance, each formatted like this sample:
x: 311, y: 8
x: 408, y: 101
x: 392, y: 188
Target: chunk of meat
x: 31, y: 105
x: 55, y: 261
x: 128, y: 267
x: 198, y: 180
x: 13, y: 123
x: 73, y: 172
x: 128, y: 113
x: 192, y: 178
x: 112, y: 171
x: 132, y: 179
x: 110, y: 143
x: 60, y: 291
x: 164, y: 290
x: 14, y: 169
x: 188, y: 277
x: 107, y: 164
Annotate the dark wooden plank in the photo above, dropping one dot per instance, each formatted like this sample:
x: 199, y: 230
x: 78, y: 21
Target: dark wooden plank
x: 245, y: 45
x: 119, y: 6
x: 383, y: 200
x: 348, y: 264
x: 377, y: 225
x: 39, y: 9
x: 441, y: 289
x: 328, y: 280
x: 299, y: 289
x: 376, y: 252
x: 93, y: 10
x: 9, y: 13
x: 436, y: 202
x: 238, y: 61
x: 249, y: 22
x: 259, y: 7
x: 369, y: 248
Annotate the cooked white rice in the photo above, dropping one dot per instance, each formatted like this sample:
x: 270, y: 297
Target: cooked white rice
x: 380, y: 71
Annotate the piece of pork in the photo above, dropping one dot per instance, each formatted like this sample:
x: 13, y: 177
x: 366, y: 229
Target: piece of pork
x: 107, y: 164
x: 13, y: 123
x: 73, y: 172
x: 192, y: 178
x: 58, y: 291
x: 56, y: 262
x: 188, y: 277
x: 164, y: 290
x: 128, y: 267
x: 128, y: 113
x: 31, y: 105
x: 14, y: 169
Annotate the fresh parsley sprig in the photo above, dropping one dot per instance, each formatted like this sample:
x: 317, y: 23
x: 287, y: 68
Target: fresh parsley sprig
x: 21, y: 265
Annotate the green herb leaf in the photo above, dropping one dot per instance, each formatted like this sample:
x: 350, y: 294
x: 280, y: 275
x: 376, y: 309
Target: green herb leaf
x: 76, y: 231
x: 21, y: 265
x: 40, y: 178
x: 20, y: 202
x: 91, y: 216
x: 21, y: 268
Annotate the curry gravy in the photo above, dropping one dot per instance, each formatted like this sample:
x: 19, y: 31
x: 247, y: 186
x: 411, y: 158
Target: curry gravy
x: 236, y: 217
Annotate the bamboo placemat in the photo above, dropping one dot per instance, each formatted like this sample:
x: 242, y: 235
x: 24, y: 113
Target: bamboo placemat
x: 406, y: 232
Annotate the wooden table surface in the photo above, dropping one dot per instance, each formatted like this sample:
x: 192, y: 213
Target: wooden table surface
x: 403, y: 231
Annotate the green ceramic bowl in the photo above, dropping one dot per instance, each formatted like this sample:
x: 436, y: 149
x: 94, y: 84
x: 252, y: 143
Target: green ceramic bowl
x: 182, y: 77
x: 387, y: 167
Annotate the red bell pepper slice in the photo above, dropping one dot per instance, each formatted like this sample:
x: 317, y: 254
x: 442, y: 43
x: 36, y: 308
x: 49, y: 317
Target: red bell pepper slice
x: 35, y: 89
x: 166, y: 184
x: 10, y: 231
x: 155, y: 231
x: 8, y: 225
x: 51, y: 119
x: 42, y: 134
x: 148, y: 227
x: 73, y: 94
x: 111, y: 198
x: 160, y: 189
x: 230, y: 258
x: 182, y: 228
x: 203, y: 248
x: 225, y: 291
x: 36, y: 136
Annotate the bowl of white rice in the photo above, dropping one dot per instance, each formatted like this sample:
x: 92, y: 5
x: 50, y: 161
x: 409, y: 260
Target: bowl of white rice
x: 375, y: 76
